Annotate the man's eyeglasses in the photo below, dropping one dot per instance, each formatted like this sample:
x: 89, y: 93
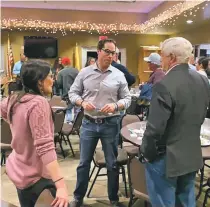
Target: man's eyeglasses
x: 108, y: 52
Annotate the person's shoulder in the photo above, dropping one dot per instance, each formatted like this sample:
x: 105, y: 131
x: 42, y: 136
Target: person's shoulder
x: 86, y: 70
x: 36, y: 100
x: 116, y: 70
x: 18, y: 62
x: 63, y: 71
x: 39, y: 103
x: 118, y: 66
x: 160, y: 71
x: 75, y: 70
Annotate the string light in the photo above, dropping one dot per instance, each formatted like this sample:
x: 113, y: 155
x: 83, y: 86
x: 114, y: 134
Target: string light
x: 165, y: 18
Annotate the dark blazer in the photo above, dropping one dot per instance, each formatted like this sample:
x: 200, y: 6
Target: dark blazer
x: 128, y: 76
x: 66, y: 78
x: 178, y: 109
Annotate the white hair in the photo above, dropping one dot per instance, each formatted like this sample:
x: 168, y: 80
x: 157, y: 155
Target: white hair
x: 117, y: 51
x: 179, y: 47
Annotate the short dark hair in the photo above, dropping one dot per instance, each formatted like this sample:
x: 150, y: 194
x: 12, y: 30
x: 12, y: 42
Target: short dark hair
x: 101, y: 43
x: 205, y: 63
x: 200, y: 60
x: 208, y: 72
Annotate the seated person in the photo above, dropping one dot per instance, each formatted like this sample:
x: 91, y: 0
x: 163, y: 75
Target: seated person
x: 18, y: 65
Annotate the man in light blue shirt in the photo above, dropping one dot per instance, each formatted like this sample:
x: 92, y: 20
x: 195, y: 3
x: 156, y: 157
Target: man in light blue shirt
x: 18, y: 65
x: 192, y: 62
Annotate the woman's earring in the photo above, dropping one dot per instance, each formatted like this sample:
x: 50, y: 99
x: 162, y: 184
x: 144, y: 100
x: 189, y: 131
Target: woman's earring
x: 42, y: 91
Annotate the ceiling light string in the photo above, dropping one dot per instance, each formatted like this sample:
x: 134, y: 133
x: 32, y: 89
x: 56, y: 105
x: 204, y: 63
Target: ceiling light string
x: 165, y: 18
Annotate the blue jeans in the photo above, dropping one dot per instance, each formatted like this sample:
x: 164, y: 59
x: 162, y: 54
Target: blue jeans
x: 169, y: 192
x: 90, y: 133
x: 69, y: 115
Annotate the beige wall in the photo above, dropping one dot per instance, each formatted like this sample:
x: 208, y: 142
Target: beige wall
x: 66, y: 44
x: 199, y: 35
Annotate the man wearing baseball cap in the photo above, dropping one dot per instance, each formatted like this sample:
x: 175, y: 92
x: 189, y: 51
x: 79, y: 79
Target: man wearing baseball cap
x: 65, y: 80
x: 154, y: 65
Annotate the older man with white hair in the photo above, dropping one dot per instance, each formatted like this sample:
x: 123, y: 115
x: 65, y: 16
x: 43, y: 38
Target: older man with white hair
x: 171, y: 147
x: 116, y: 56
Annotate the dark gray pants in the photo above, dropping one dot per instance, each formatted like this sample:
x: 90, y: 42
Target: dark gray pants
x: 29, y: 196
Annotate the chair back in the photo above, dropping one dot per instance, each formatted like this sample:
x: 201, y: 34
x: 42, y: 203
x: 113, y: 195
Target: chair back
x: 55, y: 101
x: 14, y: 86
x: 132, y: 107
x: 137, y: 177
x: 45, y: 199
x: 78, y: 120
x: 59, y: 120
x: 6, y: 135
x: 129, y: 119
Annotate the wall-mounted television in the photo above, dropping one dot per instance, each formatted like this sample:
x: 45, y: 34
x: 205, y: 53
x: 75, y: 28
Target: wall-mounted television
x: 40, y: 47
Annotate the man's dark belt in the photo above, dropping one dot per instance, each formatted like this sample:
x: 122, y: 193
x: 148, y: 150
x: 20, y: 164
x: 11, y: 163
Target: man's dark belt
x: 97, y: 120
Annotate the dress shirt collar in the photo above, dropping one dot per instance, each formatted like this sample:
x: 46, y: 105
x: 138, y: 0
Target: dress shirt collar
x: 171, y: 68
x: 95, y: 67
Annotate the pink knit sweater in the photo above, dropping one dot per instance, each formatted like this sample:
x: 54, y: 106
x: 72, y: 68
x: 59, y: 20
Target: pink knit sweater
x: 32, y: 139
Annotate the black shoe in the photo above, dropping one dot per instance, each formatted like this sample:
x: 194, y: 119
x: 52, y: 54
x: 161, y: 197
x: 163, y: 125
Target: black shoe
x: 116, y: 204
x: 76, y: 203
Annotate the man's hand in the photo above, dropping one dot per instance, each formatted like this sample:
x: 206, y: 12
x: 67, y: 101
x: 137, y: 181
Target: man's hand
x: 88, y: 106
x: 109, y: 108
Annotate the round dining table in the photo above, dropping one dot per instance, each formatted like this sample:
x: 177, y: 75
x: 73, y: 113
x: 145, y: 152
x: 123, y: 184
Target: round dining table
x: 127, y: 136
x: 128, y: 130
x: 58, y: 108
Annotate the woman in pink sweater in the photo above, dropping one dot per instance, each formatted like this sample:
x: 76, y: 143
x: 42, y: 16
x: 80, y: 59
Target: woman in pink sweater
x: 32, y: 166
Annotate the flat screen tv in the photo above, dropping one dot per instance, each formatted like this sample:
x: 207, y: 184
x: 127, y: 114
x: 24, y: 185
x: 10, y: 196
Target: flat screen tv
x: 40, y: 47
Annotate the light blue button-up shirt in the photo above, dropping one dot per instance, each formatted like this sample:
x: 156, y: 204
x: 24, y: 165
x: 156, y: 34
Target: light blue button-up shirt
x: 17, y: 68
x: 192, y: 67
x: 100, y: 88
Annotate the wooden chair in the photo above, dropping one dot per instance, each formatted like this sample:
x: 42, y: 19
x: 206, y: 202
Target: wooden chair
x: 6, y: 139
x: 138, y: 182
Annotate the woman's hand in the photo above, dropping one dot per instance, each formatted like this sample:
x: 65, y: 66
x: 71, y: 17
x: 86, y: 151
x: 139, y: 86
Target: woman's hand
x: 61, y: 199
